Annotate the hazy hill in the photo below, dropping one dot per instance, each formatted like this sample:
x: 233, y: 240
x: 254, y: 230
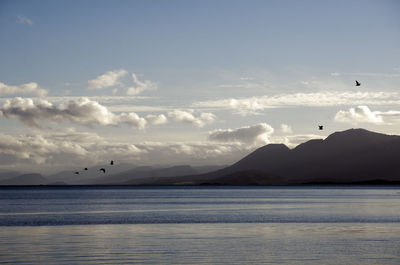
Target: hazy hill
x: 85, y: 176
x: 6, y: 174
x: 354, y: 155
x: 26, y: 179
x: 140, y: 175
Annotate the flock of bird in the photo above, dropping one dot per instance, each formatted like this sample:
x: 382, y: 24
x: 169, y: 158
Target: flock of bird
x: 101, y: 169
x: 320, y: 127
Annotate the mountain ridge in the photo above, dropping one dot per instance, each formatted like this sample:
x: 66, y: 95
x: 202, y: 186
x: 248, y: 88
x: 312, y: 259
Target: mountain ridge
x: 350, y: 156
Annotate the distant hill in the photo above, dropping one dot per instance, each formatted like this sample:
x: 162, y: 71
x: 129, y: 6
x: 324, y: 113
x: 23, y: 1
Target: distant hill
x: 86, y: 176
x: 26, y: 179
x: 6, y: 174
x: 351, y: 156
x: 144, y: 174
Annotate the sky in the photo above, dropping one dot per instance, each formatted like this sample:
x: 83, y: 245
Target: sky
x: 189, y: 82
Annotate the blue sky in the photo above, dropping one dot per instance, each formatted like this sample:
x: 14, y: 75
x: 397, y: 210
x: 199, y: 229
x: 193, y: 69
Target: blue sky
x: 208, y: 81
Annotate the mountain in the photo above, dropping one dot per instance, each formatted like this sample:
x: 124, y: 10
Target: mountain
x: 25, y: 179
x: 350, y: 156
x: 86, y: 176
x: 6, y: 174
x: 143, y: 174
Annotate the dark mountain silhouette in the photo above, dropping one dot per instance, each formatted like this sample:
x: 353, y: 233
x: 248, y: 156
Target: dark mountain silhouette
x: 351, y: 156
x: 26, y: 179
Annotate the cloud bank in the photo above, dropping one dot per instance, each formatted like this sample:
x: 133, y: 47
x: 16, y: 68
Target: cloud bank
x: 256, y: 134
x: 362, y: 114
x: 189, y: 117
x: 31, y: 88
x: 82, y: 111
x: 253, y: 105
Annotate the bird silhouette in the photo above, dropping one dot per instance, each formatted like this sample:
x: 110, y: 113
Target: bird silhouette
x: 320, y: 127
x: 103, y: 169
x: 358, y: 83
x: 85, y: 168
x: 112, y: 162
x: 77, y: 172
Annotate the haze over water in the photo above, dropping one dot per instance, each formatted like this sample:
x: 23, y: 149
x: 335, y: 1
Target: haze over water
x: 120, y: 225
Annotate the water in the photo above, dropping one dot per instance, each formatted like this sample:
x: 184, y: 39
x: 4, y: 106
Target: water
x: 212, y: 225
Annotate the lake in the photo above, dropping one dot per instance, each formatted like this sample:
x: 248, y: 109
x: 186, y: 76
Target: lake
x: 200, y: 225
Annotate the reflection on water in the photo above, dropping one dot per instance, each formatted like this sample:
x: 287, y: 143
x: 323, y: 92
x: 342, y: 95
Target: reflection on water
x: 203, y: 244
x: 200, y: 226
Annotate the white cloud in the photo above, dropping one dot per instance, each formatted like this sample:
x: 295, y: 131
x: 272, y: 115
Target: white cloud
x: 24, y: 20
x: 254, y: 105
x: 360, y: 114
x: 254, y: 135
x: 71, y: 149
x: 189, y: 117
x: 292, y: 141
x: 368, y: 74
x: 286, y: 128
x: 246, y: 107
x: 139, y: 86
x: 109, y: 79
x: 81, y: 111
x: 390, y: 113
x: 31, y: 88
x: 59, y: 150
x: 114, y: 79
x: 156, y: 119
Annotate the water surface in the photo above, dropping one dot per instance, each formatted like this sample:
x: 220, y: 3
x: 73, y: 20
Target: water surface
x: 213, y: 225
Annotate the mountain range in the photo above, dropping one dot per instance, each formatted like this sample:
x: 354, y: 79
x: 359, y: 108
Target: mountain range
x: 351, y: 156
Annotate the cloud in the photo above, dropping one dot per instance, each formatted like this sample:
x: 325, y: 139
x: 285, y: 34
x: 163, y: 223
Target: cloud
x: 292, y: 141
x: 81, y: 111
x: 24, y: 20
x: 109, y: 79
x: 114, y: 79
x: 59, y: 150
x: 51, y: 151
x: 360, y: 114
x: 189, y: 117
x: 140, y: 86
x: 368, y: 74
x: 286, y: 128
x: 71, y: 149
x: 256, y: 134
x: 253, y: 105
x: 156, y: 119
x: 246, y: 107
x: 390, y: 113
x: 31, y: 88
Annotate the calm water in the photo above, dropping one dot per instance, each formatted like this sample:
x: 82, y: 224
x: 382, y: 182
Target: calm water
x: 279, y: 225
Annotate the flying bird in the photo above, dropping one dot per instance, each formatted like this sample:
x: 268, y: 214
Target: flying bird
x: 85, y: 168
x: 358, y: 83
x: 77, y: 172
x: 103, y: 169
x: 320, y: 127
x: 112, y: 162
